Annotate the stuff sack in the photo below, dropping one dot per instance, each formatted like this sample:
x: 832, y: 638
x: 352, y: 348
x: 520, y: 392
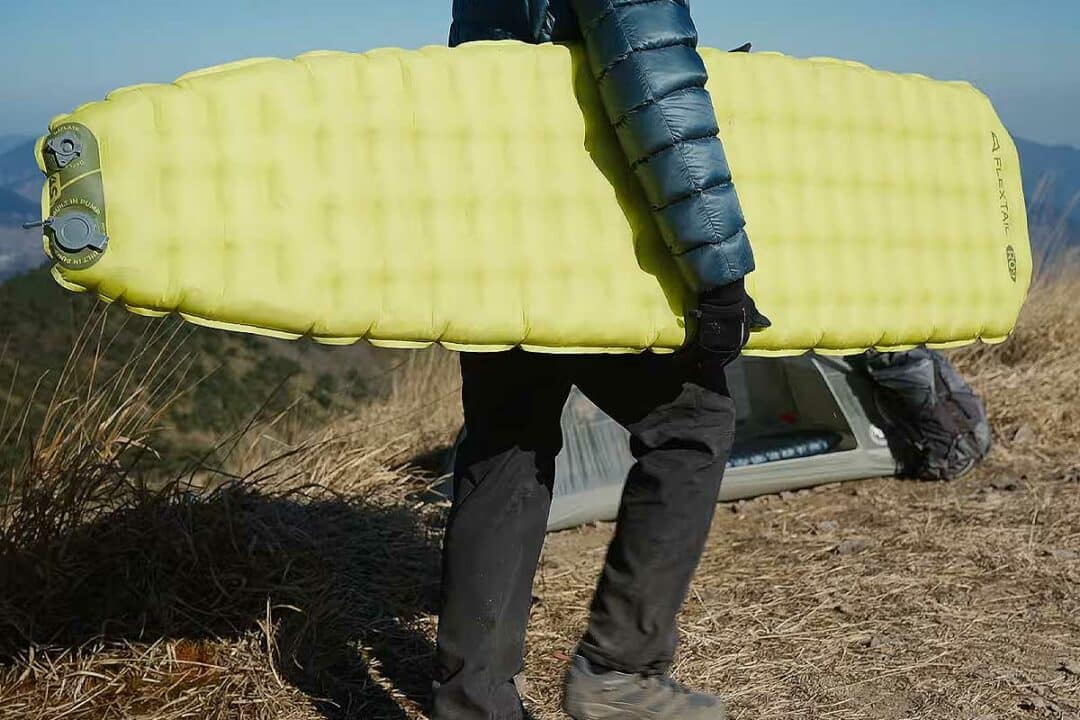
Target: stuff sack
x: 936, y: 424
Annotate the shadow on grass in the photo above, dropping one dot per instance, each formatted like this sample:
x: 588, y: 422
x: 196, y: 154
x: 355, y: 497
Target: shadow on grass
x: 348, y: 582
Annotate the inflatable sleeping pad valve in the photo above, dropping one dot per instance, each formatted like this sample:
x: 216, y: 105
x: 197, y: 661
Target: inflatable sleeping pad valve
x: 75, y: 231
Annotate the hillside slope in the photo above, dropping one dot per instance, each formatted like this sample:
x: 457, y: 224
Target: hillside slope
x: 20, y: 250
x: 232, y: 375
x: 311, y: 594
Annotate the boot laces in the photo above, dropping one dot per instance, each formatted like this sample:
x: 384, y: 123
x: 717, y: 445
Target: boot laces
x: 666, y: 682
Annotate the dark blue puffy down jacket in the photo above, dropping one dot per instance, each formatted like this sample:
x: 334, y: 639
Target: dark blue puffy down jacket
x: 644, y: 57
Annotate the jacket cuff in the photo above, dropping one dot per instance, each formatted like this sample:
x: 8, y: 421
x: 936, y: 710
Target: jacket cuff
x: 730, y: 294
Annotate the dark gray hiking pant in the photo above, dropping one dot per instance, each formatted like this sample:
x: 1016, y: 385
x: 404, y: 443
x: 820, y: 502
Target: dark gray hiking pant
x: 681, y: 426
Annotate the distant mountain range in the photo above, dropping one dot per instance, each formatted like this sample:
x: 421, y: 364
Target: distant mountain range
x: 20, y: 188
x: 9, y: 141
x: 18, y: 170
x: 18, y: 207
x: 1057, y: 164
x: 1051, y: 184
x: 1052, y: 189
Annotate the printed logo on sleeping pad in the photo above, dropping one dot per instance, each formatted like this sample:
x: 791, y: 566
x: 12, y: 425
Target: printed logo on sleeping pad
x: 1003, y: 203
x: 54, y: 190
x: 1003, y: 197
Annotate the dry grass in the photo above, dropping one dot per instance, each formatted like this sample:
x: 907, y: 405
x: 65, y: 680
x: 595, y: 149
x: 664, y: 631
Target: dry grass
x: 300, y: 581
x: 76, y: 462
x: 271, y: 588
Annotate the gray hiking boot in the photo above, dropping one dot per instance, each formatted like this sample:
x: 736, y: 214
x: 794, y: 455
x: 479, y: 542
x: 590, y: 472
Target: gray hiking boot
x: 593, y: 694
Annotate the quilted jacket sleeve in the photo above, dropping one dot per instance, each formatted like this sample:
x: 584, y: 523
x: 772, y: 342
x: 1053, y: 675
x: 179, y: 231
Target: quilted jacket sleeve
x: 643, y: 54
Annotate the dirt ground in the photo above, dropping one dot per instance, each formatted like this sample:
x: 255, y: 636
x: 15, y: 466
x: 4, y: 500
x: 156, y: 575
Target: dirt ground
x: 879, y: 599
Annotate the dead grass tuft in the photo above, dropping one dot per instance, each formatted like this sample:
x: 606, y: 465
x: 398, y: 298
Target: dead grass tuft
x: 294, y: 583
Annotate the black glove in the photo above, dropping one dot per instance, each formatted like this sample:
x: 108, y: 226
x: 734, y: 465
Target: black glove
x: 726, y: 316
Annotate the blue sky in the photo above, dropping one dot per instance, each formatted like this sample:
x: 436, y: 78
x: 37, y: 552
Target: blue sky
x: 61, y: 53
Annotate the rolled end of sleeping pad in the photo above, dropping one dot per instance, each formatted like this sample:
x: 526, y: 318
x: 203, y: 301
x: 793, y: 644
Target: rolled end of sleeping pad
x: 75, y: 227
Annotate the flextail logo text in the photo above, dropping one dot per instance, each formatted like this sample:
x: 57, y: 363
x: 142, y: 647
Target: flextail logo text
x: 1003, y: 205
x: 1003, y: 198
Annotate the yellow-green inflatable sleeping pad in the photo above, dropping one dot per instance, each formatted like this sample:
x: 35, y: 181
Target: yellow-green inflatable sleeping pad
x: 477, y: 197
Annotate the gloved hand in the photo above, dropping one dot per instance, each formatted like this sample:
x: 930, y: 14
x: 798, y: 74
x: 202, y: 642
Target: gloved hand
x: 726, y: 316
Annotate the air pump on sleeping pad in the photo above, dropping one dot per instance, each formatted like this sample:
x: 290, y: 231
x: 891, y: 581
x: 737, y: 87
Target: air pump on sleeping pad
x: 74, y: 227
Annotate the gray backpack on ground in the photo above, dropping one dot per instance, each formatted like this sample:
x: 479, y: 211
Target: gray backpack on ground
x: 936, y: 425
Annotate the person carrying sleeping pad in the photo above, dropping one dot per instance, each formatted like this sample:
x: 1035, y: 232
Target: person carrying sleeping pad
x: 677, y: 408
